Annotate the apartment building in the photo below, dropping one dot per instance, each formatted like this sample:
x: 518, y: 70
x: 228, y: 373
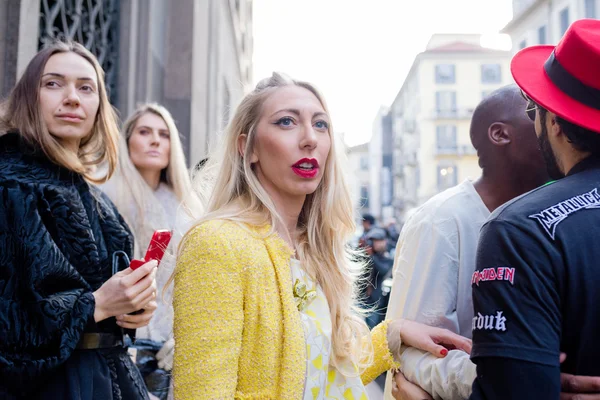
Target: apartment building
x: 545, y: 21
x: 359, y: 178
x: 431, y: 116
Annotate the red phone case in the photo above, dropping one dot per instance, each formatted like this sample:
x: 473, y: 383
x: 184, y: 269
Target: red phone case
x: 156, y: 249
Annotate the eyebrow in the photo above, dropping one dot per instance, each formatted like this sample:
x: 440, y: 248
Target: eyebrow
x: 297, y: 112
x: 149, y: 128
x: 83, y: 78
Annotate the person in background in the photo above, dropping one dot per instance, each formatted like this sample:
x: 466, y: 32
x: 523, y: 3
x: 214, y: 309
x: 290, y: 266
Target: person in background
x: 66, y: 295
x: 264, y: 283
x: 378, y: 269
x: 393, y: 234
x: 368, y: 222
x: 150, y: 184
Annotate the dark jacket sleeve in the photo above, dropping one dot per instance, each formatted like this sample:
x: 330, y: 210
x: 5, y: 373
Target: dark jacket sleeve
x: 44, y: 302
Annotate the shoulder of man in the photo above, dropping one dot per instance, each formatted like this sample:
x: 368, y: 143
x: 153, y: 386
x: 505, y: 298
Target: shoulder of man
x: 550, y: 205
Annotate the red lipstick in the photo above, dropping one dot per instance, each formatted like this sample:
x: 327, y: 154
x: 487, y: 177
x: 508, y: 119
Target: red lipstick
x: 306, y: 168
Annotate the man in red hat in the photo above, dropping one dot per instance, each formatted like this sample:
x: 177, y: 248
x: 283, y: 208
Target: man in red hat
x: 546, y: 240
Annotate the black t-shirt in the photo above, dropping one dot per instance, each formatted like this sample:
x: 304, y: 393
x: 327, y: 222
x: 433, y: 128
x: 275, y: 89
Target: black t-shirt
x: 535, y: 289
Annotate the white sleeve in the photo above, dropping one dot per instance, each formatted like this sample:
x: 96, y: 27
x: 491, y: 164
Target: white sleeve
x: 448, y: 378
x: 425, y: 289
x: 425, y: 286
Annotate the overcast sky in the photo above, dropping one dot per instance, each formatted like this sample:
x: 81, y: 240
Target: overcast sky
x: 358, y: 52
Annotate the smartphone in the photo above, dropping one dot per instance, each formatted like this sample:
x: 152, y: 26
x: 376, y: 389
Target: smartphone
x: 156, y: 249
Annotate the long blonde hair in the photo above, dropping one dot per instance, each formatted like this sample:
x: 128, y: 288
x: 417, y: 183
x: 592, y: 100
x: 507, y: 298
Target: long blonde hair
x: 22, y: 112
x: 233, y: 192
x: 129, y: 184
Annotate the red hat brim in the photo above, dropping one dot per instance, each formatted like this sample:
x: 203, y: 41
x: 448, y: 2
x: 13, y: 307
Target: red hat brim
x: 527, y: 68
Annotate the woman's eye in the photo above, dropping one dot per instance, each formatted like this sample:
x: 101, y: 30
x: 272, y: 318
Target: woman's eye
x: 87, y: 88
x: 285, y: 121
x: 52, y: 84
x: 165, y: 135
x: 321, y: 125
x: 143, y: 131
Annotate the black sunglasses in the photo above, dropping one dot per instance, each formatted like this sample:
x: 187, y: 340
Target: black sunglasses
x: 531, y: 106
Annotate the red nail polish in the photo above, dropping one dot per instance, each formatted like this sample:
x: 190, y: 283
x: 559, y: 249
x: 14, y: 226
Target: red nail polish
x: 444, y: 352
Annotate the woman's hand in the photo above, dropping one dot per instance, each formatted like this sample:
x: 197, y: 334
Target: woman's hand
x: 402, y: 389
x: 436, y: 341
x: 125, y: 292
x: 129, y: 321
x: 165, y: 355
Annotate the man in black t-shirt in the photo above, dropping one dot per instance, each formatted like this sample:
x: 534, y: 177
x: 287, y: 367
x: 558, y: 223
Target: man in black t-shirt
x: 538, y: 264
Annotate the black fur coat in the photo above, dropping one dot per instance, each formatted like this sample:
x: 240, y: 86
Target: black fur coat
x: 57, y: 238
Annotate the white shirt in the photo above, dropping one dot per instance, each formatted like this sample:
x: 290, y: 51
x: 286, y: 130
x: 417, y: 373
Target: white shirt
x: 433, y: 266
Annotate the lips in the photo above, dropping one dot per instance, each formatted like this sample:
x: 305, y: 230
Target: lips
x: 153, y: 153
x: 70, y: 117
x: 306, y: 168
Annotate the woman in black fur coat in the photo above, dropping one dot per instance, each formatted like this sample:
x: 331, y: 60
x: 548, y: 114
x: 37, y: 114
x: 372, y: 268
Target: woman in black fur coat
x: 63, y: 309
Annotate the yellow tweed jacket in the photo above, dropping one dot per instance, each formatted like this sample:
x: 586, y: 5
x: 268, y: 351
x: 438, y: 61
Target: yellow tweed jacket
x: 238, y: 333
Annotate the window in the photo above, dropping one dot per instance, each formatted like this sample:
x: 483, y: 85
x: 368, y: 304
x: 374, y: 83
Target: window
x: 444, y: 73
x: 446, y: 176
x: 364, y: 163
x: 491, y: 73
x: 417, y: 176
x: 446, y: 138
x: 364, y: 196
x: 523, y: 44
x: 542, y: 34
x: 92, y: 23
x: 564, y: 20
x: 590, y: 8
x: 445, y: 101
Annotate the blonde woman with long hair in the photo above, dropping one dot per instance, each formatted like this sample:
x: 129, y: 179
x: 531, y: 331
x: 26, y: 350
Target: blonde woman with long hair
x: 66, y: 293
x: 149, y: 187
x: 265, y: 284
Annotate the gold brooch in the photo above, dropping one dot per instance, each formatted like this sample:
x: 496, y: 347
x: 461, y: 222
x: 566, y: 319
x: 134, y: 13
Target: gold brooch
x: 302, y: 296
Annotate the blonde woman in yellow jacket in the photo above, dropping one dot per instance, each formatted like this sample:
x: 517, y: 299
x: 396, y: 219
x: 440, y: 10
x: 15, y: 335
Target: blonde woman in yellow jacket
x: 264, y: 283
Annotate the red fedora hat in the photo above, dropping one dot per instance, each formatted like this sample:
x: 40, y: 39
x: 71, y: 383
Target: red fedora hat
x: 565, y: 79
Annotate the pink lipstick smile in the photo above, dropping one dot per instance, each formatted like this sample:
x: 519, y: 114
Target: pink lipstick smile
x: 306, y: 168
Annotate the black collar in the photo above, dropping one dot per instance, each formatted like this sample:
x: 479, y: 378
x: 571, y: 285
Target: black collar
x: 589, y: 162
x: 12, y: 144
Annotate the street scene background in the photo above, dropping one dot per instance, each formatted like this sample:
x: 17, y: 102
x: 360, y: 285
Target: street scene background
x: 401, y: 77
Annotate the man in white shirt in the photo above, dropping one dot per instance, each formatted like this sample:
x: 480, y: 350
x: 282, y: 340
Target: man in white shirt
x: 436, y: 252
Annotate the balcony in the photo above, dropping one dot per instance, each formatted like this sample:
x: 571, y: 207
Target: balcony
x: 456, y: 151
x: 398, y: 141
x: 409, y: 159
x: 454, y: 113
